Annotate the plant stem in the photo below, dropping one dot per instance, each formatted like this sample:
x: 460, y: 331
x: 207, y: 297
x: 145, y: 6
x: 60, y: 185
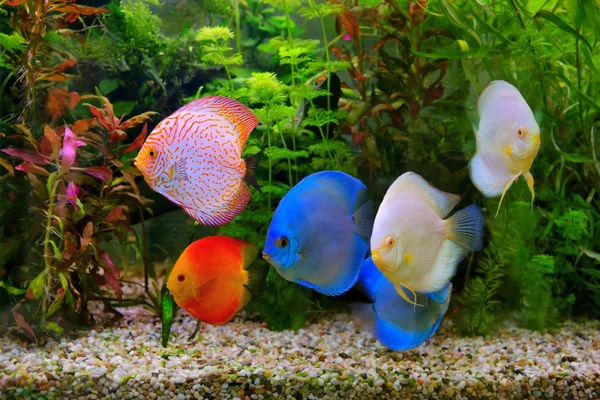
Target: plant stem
x: 290, y: 43
x: 578, y: 64
x: 270, y: 169
x: 47, y: 256
x: 288, y: 160
x: 326, y: 44
x: 238, y: 31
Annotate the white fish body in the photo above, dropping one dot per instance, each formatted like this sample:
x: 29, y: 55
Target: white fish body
x: 412, y: 244
x: 508, y: 140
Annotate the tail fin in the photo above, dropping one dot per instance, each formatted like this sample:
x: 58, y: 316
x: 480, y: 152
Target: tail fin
x: 466, y: 228
x: 251, y: 164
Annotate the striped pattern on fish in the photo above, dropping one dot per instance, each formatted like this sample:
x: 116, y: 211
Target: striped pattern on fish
x: 193, y: 158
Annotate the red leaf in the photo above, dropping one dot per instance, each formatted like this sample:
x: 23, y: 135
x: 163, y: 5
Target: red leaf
x: 138, y: 142
x: 70, y: 249
x: 26, y: 155
x: 83, y: 125
x: 100, y: 117
x: 54, y: 140
x: 103, y: 173
x: 74, y: 99
x: 32, y: 169
x: 22, y: 323
x: 380, y: 43
x: 87, y: 235
x: 114, y: 215
x: 56, y: 103
x: 111, y: 274
x: 350, y: 24
x: 15, y: 2
x: 70, y: 63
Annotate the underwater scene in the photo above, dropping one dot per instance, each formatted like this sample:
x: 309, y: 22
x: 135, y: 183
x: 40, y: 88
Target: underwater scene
x: 299, y: 199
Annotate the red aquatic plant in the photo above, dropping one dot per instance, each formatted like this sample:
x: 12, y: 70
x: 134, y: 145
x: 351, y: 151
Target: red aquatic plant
x: 86, y: 194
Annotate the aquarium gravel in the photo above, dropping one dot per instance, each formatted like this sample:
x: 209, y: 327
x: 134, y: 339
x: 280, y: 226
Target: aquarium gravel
x: 329, y: 358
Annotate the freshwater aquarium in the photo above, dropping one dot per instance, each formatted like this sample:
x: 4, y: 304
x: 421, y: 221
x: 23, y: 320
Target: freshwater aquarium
x: 289, y: 199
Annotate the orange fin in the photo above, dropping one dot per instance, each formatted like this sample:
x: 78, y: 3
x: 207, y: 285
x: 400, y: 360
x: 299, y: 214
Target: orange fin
x: 207, y: 288
x: 249, y: 254
x: 240, y: 116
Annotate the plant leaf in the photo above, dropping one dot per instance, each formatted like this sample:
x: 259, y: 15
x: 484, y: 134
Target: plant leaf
x: 37, y: 285
x: 556, y: 20
x: 20, y: 320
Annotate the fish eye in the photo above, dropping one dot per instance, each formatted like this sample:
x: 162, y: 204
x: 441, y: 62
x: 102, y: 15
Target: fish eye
x: 152, y: 153
x: 181, y: 278
x: 390, y: 242
x: 283, y: 242
x: 520, y: 132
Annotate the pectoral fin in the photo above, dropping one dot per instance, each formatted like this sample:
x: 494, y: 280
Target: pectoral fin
x: 530, y: 182
x: 207, y: 288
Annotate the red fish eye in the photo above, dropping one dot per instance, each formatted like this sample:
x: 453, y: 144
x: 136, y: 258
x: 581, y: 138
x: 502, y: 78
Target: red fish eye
x: 152, y: 153
x: 181, y: 278
x: 520, y: 132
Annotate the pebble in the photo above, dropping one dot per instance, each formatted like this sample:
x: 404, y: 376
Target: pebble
x: 328, y: 358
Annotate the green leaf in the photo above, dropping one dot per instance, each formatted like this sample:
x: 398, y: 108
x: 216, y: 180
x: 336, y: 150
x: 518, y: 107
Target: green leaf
x: 63, y: 281
x: 555, y: 19
x: 50, y: 182
x: 37, y: 285
x: 169, y: 308
x: 123, y: 107
x: 13, y: 291
x: 108, y: 85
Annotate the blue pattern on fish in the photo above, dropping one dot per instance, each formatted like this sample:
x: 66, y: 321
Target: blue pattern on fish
x: 319, y: 235
x: 397, y: 324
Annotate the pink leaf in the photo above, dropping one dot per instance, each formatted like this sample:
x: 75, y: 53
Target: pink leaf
x: 72, y: 192
x: 70, y: 145
x: 26, y: 155
x: 32, y: 169
x: 103, y: 173
x: 112, y: 275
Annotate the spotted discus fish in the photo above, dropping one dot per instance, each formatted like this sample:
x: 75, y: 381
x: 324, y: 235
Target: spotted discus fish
x: 193, y: 158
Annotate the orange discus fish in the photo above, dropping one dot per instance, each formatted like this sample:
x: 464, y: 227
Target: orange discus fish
x: 194, y: 159
x: 209, y: 280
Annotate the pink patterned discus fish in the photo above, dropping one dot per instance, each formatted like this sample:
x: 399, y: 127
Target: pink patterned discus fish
x: 193, y: 158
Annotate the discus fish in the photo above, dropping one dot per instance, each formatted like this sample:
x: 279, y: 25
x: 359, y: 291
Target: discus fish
x: 508, y: 140
x: 394, y: 322
x: 413, y: 245
x: 319, y: 234
x: 210, y: 278
x: 193, y: 158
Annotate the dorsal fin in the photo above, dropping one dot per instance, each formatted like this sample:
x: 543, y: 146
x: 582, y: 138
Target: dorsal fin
x: 238, y: 115
x: 441, y: 202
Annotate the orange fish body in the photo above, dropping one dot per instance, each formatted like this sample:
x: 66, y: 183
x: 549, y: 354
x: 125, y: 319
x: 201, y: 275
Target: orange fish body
x: 209, y: 280
x: 194, y: 159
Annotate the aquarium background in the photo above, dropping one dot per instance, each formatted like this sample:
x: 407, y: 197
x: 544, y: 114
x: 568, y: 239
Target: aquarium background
x: 395, y: 92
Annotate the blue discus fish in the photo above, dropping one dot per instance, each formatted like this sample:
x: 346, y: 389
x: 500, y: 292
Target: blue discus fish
x: 319, y: 235
x: 397, y: 324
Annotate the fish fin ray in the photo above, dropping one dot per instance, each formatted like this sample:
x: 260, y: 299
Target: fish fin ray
x: 441, y: 202
x: 207, y: 288
x: 249, y: 254
x: 180, y: 169
x: 400, y: 290
x: 363, y: 220
x: 250, y: 176
x: 489, y: 173
x: 227, y: 211
x: 239, y: 116
x: 508, y: 185
x: 466, y: 228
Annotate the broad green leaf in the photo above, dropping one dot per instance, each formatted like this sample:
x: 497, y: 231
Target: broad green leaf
x: 108, y: 85
x: 63, y: 281
x: 169, y: 308
x: 123, y: 107
x: 556, y: 20
x: 37, y: 285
